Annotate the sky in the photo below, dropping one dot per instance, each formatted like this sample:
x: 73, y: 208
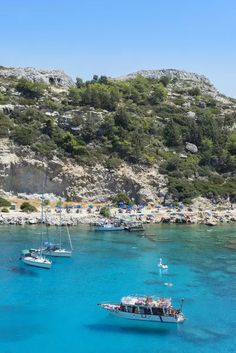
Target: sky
x: 117, y: 37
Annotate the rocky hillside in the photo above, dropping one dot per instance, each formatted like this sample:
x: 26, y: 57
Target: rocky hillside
x: 157, y: 135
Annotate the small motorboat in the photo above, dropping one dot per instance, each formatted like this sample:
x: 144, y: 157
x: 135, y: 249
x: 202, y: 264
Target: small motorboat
x: 161, y: 265
x: 134, y: 227
x: 107, y: 226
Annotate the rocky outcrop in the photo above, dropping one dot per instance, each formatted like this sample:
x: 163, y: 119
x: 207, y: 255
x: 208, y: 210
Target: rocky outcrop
x: 179, y: 79
x: 56, y: 77
x: 171, y: 73
x: 23, y: 172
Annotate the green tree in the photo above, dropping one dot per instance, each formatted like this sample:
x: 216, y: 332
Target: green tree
x: 231, y: 144
x: 195, y: 91
x: 105, y: 212
x: 79, y: 82
x: 6, y: 125
x: 24, y: 135
x: 172, y: 134
x: 4, y: 202
x: 27, y: 207
x: 103, y: 79
x: 122, y: 197
x: 165, y: 80
x: 75, y: 95
x: 30, y: 89
x: 158, y: 94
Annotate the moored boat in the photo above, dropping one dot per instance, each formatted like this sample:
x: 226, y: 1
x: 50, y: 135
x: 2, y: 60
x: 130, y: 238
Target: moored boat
x: 33, y: 258
x: 145, y: 308
x: 55, y: 250
x: 135, y: 227
x: 111, y: 226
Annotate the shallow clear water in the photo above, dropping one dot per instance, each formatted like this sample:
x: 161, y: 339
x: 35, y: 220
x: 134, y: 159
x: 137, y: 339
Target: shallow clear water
x: 55, y: 310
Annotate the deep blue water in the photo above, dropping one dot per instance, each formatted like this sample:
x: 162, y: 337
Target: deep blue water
x: 56, y: 310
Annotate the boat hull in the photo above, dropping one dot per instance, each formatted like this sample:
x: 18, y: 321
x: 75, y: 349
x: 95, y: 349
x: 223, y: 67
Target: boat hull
x: 108, y: 229
x: 144, y: 317
x: 57, y: 253
x: 41, y: 264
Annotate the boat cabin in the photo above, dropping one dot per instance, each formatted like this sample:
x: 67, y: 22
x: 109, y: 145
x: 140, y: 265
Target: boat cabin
x: 148, y: 306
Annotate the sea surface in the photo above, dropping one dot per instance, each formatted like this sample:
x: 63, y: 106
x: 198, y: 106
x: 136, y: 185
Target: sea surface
x: 55, y: 311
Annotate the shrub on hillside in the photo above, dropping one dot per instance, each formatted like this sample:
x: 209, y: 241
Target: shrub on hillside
x: 122, y: 197
x: 105, y: 212
x: 27, y: 207
x: 4, y: 202
x: 30, y: 89
x: 5, y: 210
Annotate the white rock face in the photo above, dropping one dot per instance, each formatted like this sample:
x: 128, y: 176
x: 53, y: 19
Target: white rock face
x: 21, y: 172
x: 184, y: 79
x: 57, y: 77
x: 171, y: 73
x: 191, y: 147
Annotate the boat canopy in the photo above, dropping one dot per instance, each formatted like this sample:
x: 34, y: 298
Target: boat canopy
x: 146, y: 300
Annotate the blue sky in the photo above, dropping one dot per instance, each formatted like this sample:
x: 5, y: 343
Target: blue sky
x: 118, y: 37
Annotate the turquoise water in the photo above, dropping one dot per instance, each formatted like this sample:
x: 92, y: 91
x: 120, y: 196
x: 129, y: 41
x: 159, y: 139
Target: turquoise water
x: 55, y: 310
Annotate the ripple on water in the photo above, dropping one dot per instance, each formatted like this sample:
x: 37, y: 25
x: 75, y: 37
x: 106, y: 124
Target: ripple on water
x: 15, y: 333
x: 23, y: 271
x: 200, y: 335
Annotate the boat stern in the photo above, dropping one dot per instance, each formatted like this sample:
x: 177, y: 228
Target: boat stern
x: 180, y: 318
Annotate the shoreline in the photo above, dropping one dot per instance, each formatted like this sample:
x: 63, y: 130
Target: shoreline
x: 145, y: 216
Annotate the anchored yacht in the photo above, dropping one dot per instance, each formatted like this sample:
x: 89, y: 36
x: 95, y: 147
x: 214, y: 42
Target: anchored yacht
x: 145, y: 308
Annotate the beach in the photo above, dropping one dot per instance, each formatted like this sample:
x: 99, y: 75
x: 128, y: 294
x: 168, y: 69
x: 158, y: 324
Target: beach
x: 88, y: 214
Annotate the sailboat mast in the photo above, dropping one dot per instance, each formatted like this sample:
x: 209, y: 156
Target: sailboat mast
x: 60, y: 225
x: 42, y: 199
x: 69, y: 237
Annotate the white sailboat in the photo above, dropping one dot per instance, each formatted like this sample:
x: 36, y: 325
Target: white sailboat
x: 35, y: 257
x: 57, y: 250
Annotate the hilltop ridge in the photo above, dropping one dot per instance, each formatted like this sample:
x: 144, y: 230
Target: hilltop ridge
x: 158, y: 135
x: 57, y: 77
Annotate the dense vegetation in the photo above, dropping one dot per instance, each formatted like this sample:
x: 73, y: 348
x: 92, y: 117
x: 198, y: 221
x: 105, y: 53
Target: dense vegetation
x: 27, y: 207
x: 140, y: 121
x: 4, y: 202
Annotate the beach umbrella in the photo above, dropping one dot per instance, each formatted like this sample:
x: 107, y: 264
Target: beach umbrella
x: 129, y: 206
x: 78, y: 206
x: 90, y: 206
x: 69, y: 206
x: 158, y: 206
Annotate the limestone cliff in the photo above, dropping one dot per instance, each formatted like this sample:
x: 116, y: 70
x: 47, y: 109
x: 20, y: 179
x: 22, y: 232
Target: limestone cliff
x: 23, y: 172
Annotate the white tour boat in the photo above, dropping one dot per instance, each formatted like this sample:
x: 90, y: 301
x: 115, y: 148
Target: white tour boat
x: 161, y: 265
x: 145, y: 308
